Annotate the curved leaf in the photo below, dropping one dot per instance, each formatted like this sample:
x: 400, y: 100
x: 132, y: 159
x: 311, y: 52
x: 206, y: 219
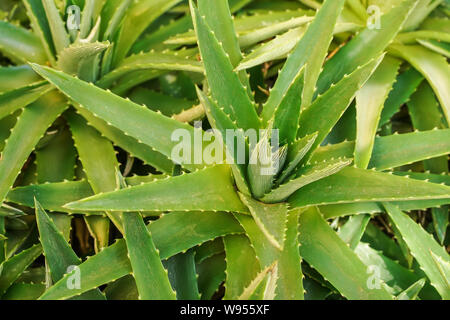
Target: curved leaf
x: 123, y: 114
x: 322, y: 248
x: 239, y: 253
x: 151, y: 278
x: 270, y: 218
x: 14, y: 100
x: 12, y: 268
x: 32, y: 123
x: 358, y: 185
x: 58, y: 253
x: 210, y: 189
x: 20, y: 44
x: 365, y: 46
x: 432, y: 258
x: 434, y: 68
x: 186, y: 230
x: 369, y: 103
x: 225, y: 85
x: 332, y: 105
x: 310, y: 51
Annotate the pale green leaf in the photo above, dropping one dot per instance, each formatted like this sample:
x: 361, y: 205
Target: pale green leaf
x: 370, y: 101
x: 210, y: 189
x: 322, y: 248
x: 432, y: 258
x: 225, y: 85
x: 358, y: 185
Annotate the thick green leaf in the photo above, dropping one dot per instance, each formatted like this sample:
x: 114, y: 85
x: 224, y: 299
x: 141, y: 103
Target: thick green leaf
x: 237, y: 147
x: 310, y: 51
x: 365, y: 46
x: 57, y: 160
x: 211, y: 273
x: 412, y: 37
x: 282, y: 45
x: 38, y: 19
x: 304, y: 176
x: 403, y: 149
x: 287, y: 114
x: 183, y: 275
x: 210, y: 189
x: 123, y: 114
x: 340, y: 210
x: 14, y: 100
x: 403, y: 88
x: 12, y: 268
x: 433, y: 67
x: 20, y: 44
x: 369, y: 103
x: 218, y: 17
x: 32, y: 123
x: 252, y: 37
x: 352, y: 231
x: 151, y: 278
x: 239, y: 253
x: 13, y: 77
x: 413, y: 291
x: 409, y: 148
x: 224, y: 83
x: 332, y: 105
x: 274, y: 49
x: 322, y: 248
x: 58, y: 253
x: 53, y: 196
x: 358, y: 185
x: 128, y: 143
x: 99, y: 161
x: 262, y: 286
x: 151, y: 60
x: 24, y: 291
x: 270, y: 218
x: 433, y: 259
x: 77, y: 57
x: 138, y: 17
x: 59, y: 35
x: 289, y: 285
x: 397, y: 277
x: 186, y: 230
x: 442, y: 48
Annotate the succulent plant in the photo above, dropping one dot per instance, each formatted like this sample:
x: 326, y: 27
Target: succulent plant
x: 241, y: 149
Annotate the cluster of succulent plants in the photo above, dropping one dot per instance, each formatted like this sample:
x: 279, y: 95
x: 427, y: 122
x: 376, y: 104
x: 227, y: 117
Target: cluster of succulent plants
x: 226, y: 149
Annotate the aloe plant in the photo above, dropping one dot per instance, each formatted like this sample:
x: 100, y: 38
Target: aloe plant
x: 238, y: 149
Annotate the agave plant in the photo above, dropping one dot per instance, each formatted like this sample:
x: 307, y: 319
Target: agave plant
x: 318, y: 197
